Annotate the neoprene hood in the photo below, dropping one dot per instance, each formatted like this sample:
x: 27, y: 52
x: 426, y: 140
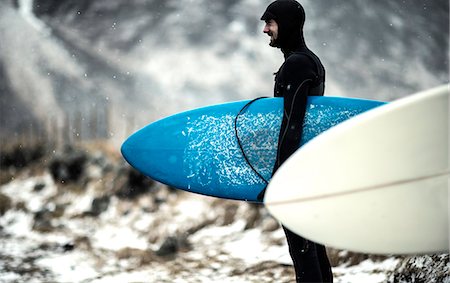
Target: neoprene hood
x: 290, y: 17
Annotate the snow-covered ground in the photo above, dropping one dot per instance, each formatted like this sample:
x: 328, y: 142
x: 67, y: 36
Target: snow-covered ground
x: 56, y: 232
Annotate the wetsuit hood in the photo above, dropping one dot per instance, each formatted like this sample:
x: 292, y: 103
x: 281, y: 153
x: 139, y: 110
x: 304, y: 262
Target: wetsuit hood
x: 290, y: 17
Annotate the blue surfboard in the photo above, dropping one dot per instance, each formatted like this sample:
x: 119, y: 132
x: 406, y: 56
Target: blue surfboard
x: 227, y: 150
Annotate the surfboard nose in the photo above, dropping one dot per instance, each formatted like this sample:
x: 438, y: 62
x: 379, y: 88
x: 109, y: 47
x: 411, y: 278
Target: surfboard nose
x: 156, y: 150
x: 127, y: 149
x: 131, y: 150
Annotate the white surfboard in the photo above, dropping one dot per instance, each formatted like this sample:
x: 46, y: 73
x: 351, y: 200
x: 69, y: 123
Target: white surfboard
x: 377, y: 183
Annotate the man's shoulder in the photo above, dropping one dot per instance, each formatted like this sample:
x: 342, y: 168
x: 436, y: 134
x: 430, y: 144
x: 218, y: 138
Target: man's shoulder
x: 299, y: 59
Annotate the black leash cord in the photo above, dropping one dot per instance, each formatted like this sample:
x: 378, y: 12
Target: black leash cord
x: 246, y: 106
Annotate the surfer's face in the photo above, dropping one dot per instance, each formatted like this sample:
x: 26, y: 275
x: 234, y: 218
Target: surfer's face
x: 271, y: 29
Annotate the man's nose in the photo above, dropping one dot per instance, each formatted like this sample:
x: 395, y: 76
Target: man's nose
x: 266, y: 29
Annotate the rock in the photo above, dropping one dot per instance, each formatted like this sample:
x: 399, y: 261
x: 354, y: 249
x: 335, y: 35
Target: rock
x: 230, y: 214
x: 130, y: 183
x: 6, y: 176
x: 19, y: 156
x: 5, y: 203
x: 143, y: 257
x: 43, y: 218
x: 38, y: 187
x: 68, y: 166
x: 253, y: 216
x: 168, y: 248
x: 347, y: 258
x: 83, y: 242
x: 426, y: 268
x: 67, y: 247
x: 43, y: 221
x: 99, y: 205
x: 269, y: 224
x: 58, y: 210
x: 172, y: 245
x: 21, y: 206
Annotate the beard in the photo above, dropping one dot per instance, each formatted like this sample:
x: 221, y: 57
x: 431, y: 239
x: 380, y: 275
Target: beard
x: 273, y: 41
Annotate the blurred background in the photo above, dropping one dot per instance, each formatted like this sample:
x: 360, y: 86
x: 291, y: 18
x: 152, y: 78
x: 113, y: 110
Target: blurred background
x: 89, y: 70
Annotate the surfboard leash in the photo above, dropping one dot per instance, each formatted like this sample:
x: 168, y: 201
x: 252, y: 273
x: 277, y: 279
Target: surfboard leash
x: 246, y: 106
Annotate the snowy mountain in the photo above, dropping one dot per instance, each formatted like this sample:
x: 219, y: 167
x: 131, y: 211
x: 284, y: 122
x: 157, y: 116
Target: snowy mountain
x: 105, y: 68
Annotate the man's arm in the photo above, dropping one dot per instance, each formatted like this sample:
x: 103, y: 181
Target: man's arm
x: 298, y: 74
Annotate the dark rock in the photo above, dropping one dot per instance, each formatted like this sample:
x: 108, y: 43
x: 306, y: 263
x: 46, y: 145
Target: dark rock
x: 142, y: 256
x: 5, y: 203
x: 21, y: 206
x: 347, y: 258
x: 130, y: 183
x: 6, y: 176
x: 172, y: 245
x: 58, y: 210
x: 46, y: 247
x: 425, y: 268
x: 99, y: 205
x: 43, y: 221
x: 160, y: 200
x: 169, y: 247
x: 269, y: 224
x: 69, y: 166
x: 83, y: 242
x: 19, y: 156
x: 39, y: 187
x: 67, y: 247
x: 228, y: 215
x: 253, y: 216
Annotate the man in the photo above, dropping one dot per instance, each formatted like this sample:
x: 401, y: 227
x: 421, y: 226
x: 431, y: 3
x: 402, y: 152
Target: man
x: 301, y: 75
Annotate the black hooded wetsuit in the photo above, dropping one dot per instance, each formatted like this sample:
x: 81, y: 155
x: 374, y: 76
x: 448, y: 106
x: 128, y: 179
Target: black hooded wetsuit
x: 301, y: 75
